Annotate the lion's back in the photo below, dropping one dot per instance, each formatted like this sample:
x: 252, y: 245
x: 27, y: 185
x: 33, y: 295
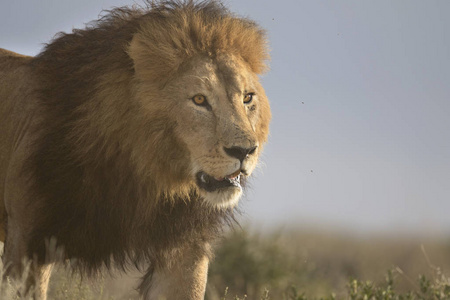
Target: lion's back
x: 10, y: 61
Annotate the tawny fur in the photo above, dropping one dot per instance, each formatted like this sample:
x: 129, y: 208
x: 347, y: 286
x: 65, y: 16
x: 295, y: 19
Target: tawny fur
x: 100, y: 142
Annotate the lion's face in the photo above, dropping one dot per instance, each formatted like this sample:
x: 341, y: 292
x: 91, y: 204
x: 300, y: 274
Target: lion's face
x: 221, y: 116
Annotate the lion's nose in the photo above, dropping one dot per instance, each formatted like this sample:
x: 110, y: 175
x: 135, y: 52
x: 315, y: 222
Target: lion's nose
x: 239, y: 152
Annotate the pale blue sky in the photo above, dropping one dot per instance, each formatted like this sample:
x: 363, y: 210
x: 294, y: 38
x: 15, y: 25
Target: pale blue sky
x: 360, y: 93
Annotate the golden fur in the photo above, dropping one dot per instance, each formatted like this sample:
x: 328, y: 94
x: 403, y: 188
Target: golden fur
x: 104, y: 149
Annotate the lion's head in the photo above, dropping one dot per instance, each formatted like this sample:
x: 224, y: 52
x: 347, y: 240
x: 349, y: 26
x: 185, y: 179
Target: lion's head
x: 207, y: 87
x: 167, y: 100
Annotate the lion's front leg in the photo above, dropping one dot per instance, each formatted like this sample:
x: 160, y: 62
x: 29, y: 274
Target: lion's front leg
x: 28, y: 275
x: 185, y: 279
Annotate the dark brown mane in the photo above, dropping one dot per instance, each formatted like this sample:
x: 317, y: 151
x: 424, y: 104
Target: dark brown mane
x: 93, y: 197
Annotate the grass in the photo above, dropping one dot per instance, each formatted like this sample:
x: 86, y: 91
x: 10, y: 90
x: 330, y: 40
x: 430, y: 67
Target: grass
x: 293, y: 265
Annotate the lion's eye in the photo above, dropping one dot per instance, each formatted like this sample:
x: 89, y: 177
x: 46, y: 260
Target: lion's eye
x: 199, y: 99
x: 248, y: 98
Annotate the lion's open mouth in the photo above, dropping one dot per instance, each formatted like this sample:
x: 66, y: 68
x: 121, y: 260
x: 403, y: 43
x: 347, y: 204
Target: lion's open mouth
x: 211, y: 184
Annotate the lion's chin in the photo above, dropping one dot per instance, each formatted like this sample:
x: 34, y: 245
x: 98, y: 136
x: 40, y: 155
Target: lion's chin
x: 222, y: 198
x: 220, y: 193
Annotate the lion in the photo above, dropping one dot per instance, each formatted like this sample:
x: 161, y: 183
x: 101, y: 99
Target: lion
x: 129, y: 142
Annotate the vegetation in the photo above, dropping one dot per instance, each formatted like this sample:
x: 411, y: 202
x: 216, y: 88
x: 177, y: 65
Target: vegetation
x: 317, y: 265
x: 293, y: 266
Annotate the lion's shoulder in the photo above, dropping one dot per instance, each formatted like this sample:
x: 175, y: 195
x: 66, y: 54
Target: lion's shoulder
x: 14, y: 82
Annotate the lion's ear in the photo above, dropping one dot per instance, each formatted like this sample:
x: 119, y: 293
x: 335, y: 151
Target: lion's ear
x: 152, y: 61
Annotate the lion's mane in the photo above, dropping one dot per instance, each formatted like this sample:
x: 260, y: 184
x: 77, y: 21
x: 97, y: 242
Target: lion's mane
x: 101, y: 200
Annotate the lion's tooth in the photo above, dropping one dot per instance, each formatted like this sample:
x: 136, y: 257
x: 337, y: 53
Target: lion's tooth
x: 234, y: 175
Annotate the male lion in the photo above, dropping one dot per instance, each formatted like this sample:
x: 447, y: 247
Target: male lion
x: 129, y: 142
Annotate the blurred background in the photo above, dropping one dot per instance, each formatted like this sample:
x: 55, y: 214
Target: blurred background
x: 356, y: 174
